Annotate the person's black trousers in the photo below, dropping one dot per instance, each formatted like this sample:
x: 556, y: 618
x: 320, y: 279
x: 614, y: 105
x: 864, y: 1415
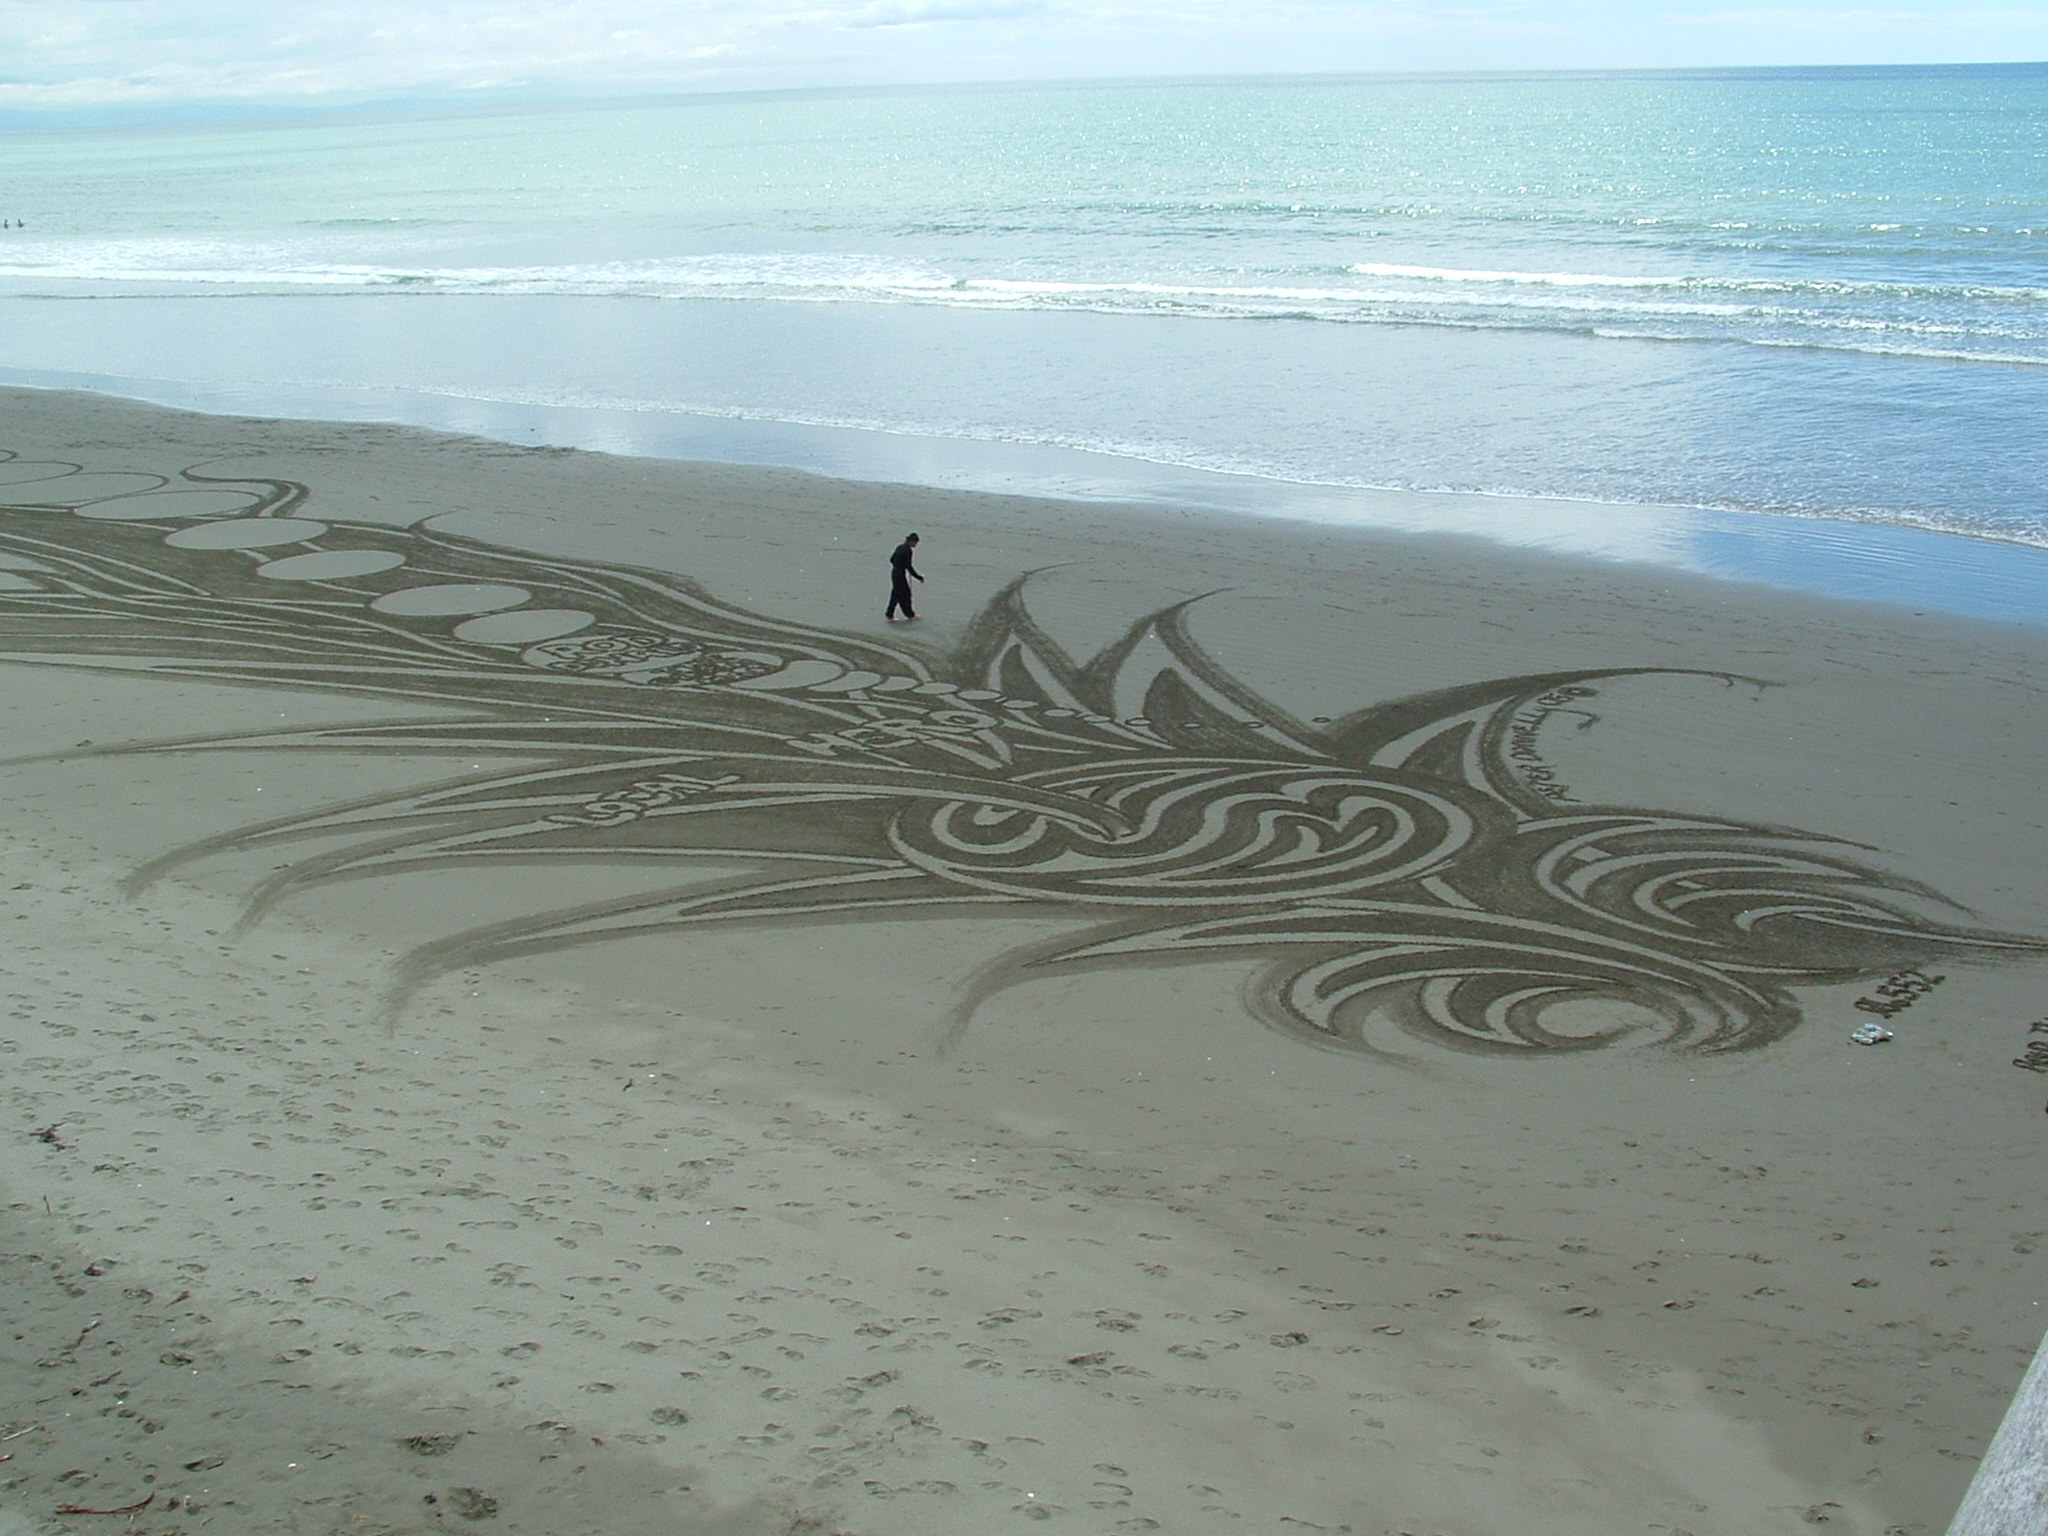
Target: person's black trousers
x: 899, y: 597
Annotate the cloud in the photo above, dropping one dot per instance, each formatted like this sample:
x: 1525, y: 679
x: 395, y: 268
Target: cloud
x: 82, y: 49
x: 94, y: 53
x: 922, y: 14
x: 1860, y: 20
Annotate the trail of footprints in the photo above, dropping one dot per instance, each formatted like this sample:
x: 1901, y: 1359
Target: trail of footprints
x: 370, y: 1213
x: 385, y: 1237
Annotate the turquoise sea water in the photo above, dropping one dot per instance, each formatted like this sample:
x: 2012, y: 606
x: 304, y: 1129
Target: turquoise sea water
x: 1817, y: 292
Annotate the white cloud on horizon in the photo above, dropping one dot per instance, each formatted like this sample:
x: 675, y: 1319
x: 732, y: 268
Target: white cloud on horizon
x: 83, y: 54
x: 1863, y: 20
x: 916, y: 13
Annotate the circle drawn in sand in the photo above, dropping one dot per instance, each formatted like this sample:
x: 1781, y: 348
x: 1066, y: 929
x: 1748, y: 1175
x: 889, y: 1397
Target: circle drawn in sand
x: 331, y: 565
x: 246, y: 533
x: 449, y: 599
x: 528, y: 627
x: 29, y: 471
x: 75, y: 490
x: 155, y: 504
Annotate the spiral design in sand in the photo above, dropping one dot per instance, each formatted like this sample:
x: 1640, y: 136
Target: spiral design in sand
x: 1167, y: 833
x: 1482, y: 982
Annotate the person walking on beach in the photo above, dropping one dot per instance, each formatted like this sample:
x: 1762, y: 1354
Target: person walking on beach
x: 900, y: 571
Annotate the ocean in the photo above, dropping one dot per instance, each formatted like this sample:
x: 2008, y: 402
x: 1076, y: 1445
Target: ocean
x: 1810, y: 305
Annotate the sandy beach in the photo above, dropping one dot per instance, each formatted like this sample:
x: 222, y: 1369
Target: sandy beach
x: 531, y: 1008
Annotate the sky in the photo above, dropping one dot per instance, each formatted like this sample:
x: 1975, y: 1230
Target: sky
x: 73, y: 56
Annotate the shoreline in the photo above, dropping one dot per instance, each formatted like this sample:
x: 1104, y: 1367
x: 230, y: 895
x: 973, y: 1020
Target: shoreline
x: 501, y: 946
x: 1896, y: 561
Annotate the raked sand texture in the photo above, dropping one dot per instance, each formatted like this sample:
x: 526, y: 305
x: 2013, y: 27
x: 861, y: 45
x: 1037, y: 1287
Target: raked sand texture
x: 531, y: 1008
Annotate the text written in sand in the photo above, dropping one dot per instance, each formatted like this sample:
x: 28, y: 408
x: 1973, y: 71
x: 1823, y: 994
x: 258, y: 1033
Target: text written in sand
x: 1523, y: 752
x: 2035, y: 1058
x: 1895, y: 994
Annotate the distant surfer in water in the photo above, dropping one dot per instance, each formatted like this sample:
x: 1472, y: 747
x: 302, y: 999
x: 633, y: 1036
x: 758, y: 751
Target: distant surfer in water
x: 900, y: 571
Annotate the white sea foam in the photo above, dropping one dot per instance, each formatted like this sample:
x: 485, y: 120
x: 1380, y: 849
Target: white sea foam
x: 1824, y: 313
x: 1825, y: 287
x: 263, y: 265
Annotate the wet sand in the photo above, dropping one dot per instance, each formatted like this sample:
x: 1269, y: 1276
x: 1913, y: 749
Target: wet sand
x: 1366, y: 1050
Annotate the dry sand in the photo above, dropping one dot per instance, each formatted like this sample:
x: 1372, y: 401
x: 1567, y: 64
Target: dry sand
x: 747, y: 1226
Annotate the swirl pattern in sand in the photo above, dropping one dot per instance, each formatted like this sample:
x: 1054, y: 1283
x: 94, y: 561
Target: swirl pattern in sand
x: 1410, y: 871
x: 1165, y: 832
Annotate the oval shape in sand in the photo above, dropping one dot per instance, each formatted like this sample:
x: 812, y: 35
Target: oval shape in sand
x: 155, y: 504
x: 26, y: 471
x: 848, y: 683
x: 76, y: 490
x: 804, y: 673
x: 530, y: 626
x: 331, y: 565
x: 447, y: 599
x: 246, y: 533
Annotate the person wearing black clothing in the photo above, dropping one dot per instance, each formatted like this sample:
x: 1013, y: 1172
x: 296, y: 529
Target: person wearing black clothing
x: 900, y: 572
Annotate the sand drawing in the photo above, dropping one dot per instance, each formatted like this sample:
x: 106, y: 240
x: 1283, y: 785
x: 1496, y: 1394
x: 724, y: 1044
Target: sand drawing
x: 1407, y: 869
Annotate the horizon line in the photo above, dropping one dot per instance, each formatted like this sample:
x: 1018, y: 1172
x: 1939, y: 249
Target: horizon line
x: 495, y: 100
